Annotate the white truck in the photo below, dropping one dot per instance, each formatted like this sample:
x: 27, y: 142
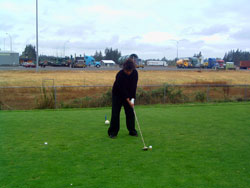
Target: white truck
x: 157, y: 63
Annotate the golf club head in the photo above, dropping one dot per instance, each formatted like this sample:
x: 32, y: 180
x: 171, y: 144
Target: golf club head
x: 145, y: 148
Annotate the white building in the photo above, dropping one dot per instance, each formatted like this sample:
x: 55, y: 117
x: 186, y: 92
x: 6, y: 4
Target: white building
x: 8, y: 58
x: 107, y: 63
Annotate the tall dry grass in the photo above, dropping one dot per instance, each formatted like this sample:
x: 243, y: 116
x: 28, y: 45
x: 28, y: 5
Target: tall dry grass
x: 69, y: 78
x: 30, y: 98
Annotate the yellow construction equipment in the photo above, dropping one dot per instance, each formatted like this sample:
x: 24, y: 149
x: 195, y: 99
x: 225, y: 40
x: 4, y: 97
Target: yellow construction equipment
x: 183, y: 63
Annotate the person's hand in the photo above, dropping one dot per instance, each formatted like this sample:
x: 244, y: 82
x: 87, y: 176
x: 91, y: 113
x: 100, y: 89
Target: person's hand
x: 130, y: 103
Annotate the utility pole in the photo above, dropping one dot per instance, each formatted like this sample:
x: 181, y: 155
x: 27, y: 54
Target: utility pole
x: 10, y: 41
x: 37, y: 57
x: 177, y: 43
x: 64, y: 46
x: 3, y: 44
x: 177, y: 48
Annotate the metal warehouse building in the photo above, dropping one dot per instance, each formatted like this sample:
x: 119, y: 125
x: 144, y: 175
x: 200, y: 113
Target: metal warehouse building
x: 9, y: 58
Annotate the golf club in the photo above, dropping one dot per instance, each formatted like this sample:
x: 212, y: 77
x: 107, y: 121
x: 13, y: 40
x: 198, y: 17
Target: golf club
x: 145, y: 148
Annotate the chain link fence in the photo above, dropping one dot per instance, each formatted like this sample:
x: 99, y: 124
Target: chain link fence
x: 54, y: 97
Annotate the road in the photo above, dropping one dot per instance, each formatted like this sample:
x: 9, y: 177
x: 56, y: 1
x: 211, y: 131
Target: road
x: 146, y: 68
x: 49, y: 68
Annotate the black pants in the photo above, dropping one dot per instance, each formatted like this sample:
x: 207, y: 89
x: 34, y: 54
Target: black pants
x: 114, y: 128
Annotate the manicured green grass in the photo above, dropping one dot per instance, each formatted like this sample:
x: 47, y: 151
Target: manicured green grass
x: 194, y: 146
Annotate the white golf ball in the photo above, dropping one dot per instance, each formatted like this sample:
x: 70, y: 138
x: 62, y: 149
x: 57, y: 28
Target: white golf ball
x: 150, y: 147
x: 107, y: 122
x: 45, y: 143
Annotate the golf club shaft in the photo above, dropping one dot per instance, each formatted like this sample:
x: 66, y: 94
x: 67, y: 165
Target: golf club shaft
x: 139, y: 128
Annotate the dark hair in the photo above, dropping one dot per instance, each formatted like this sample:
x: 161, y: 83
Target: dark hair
x: 129, y: 65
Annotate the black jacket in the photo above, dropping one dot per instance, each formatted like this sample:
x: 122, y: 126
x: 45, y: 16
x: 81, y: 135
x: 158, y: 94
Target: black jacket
x: 124, y: 85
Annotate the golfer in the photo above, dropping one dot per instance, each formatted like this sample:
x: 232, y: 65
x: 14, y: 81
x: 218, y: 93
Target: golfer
x: 124, y: 89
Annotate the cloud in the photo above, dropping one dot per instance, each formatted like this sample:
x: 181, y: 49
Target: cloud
x: 148, y: 28
x: 72, y: 31
x: 242, y: 34
x: 212, y: 30
x: 157, y: 37
x: 5, y: 26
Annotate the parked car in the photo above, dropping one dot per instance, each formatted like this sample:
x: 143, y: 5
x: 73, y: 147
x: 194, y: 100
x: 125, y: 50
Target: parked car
x: 29, y: 65
x: 43, y: 64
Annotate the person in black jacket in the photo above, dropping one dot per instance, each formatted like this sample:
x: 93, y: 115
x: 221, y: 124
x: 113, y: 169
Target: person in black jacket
x: 124, y: 89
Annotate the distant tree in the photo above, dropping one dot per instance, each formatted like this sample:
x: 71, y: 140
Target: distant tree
x: 164, y: 59
x: 49, y: 58
x: 111, y: 54
x: 153, y: 59
x: 236, y: 56
x: 98, y: 56
x: 29, y: 52
x: 198, y: 55
x: 171, y: 62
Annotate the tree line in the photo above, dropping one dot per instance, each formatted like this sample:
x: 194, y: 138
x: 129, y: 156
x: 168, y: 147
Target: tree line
x: 110, y: 54
x: 237, y: 56
x: 114, y: 54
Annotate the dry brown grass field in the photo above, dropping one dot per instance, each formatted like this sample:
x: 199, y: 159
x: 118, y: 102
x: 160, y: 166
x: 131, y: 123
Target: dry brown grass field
x: 75, y: 78
x: 30, y: 98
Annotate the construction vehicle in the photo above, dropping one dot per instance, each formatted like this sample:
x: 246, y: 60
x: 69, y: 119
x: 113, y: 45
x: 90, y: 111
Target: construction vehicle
x: 86, y: 61
x: 23, y: 60
x: 230, y: 66
x: 188, y: 62
x: 220, y: 64
x: 90, y: 61
x: 58, y: 62
x: 80, y: 63
x: 179, y: 63
x: 137, y: 61
x: 194, y: 62
x: 205, y: 63
x: 211, y: 63
x: 244, y: 64
x: 183, y: 63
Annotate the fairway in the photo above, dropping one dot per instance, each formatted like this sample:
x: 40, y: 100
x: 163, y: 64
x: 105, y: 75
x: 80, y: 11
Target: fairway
x: 194, y: 146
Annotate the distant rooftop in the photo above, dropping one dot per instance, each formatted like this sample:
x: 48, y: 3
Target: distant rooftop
x: 4, y: 52
x: 108, y: 61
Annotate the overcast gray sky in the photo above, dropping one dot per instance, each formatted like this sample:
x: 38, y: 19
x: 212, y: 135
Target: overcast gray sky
x: 149, y: 28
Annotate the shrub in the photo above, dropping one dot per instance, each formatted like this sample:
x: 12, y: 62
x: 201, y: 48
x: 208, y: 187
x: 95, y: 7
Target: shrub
x: 174, y: 95
x: 200, y: 96
x: 142, y: 96
x: 1, y: 105
x: 47, y: 100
